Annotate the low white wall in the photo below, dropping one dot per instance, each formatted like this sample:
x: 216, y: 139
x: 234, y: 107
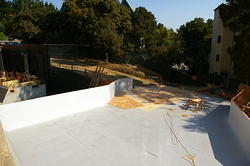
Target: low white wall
x: 240, y: 124
x: 30, y: 112
x: 24, y: 93
x: 120, y: 85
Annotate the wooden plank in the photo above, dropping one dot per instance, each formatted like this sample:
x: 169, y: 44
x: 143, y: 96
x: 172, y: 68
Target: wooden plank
x: 124, y: 102
x: 6, y: 158
x: 1, y: 60
x: 246, y: 89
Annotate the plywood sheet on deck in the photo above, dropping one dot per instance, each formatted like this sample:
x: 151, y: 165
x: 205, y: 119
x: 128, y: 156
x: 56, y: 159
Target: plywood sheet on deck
x: 124, y: 102
x: 151, y: 98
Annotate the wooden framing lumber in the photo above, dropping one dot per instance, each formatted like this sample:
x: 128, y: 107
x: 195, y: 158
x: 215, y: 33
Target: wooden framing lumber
x: 1, y: 60
x: 246, y: 89
x: 97, y: 76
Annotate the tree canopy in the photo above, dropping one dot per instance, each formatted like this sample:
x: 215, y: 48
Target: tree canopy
x: 195, y: 39
x: 2, y: 36
x: 5, y: 12
x: 102, y: 24
x: 235, y: 16
x: 110, y: 28
x: 144, y: 26
x: 23, y: 19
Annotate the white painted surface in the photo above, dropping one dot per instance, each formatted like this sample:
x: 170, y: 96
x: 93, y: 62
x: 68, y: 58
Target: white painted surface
x: 67, y: 130
x: 30, y: 112
x: 108, y: 135
x: 240, y: 123
x: 24, y: 93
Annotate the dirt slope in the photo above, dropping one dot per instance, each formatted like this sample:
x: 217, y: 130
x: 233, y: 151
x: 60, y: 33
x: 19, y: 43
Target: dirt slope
x: 112, y: 71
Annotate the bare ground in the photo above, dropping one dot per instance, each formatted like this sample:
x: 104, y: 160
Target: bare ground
x: 112, y: 71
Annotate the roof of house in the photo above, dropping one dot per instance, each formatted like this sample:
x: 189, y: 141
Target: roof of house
x: 67, y: 130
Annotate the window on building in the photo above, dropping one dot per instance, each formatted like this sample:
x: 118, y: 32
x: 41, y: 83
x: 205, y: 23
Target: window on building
x: 219, y: 39
x: 217, y: 58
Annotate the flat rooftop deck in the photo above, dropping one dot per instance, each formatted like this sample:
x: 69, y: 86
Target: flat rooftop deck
x: 111, y: 136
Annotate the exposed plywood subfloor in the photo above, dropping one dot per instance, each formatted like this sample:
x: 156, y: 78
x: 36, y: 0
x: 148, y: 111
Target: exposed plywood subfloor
x: 149, y: 98
x: 124, y: 102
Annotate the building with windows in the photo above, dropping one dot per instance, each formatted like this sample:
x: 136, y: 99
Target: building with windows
x: 222, y: 39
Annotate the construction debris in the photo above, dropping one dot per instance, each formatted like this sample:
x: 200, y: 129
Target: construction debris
x: 17, y: 79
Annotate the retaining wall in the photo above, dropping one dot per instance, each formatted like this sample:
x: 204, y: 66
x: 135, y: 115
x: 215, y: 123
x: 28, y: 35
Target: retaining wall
x: 30, y: 112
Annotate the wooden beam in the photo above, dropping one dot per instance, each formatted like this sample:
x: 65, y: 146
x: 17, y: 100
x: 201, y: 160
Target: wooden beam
x: 1, y: 60
x: 6, y: 158
x: 26, y: 65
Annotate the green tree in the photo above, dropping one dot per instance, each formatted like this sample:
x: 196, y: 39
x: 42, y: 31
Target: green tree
x: 54, y: 29
x: 235, y: 16
x: 106, y: 39
x: 5, y: 14
x: 21, y: 5
x: 169, y: 39
x: 144, y: 32
x: 195, y: 39
x: 3, y: 37
x: 168, y: 51
x: 102, y: 24
x: 28, y: 19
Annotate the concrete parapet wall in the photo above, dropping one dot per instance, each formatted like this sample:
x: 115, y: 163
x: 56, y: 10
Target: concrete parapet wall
x: 24, y: 93
x: 120, y: 85
x: 30, y: 112
x: 240, y: 124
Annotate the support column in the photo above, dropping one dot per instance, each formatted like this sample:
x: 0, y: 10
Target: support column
x: 1, y: 60
x: 26, y: 65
